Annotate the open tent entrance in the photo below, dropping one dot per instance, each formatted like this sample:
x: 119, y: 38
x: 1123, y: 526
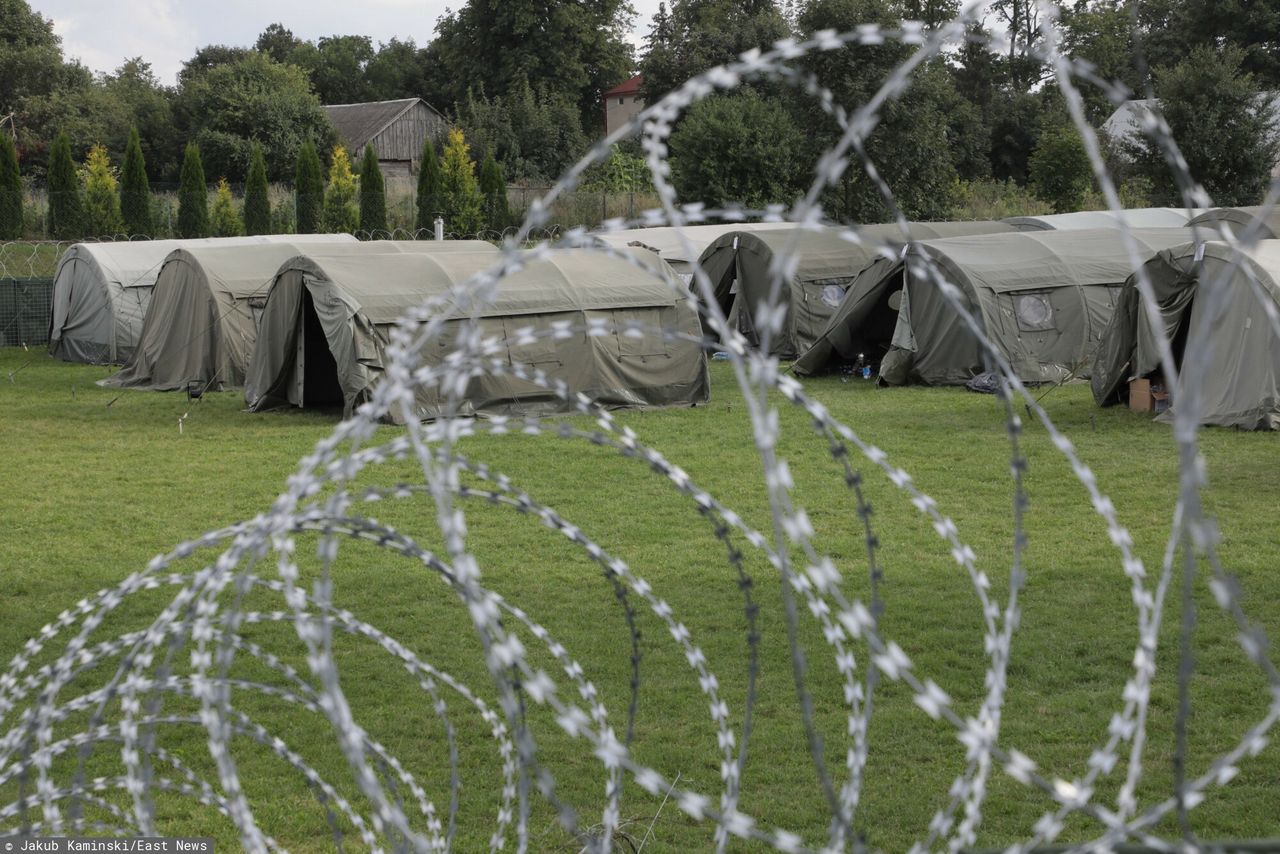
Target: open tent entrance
x: 319, y: 380
x: 876, y: 332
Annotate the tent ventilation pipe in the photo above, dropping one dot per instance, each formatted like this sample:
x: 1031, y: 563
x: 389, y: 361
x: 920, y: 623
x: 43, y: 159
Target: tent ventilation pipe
x: 439, y: 228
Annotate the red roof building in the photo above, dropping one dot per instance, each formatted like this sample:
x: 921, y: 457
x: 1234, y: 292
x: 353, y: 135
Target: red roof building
x: 622, y: 102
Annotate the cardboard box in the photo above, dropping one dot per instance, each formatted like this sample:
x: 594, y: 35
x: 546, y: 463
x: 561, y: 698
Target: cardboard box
x: 1140, y: 399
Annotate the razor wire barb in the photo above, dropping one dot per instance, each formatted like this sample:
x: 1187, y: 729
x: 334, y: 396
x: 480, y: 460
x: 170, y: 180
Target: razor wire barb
x: 326, y: 497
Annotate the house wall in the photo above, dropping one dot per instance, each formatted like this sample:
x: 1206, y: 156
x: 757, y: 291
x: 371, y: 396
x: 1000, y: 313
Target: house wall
x: 618, y: 110
x: 401, y: 141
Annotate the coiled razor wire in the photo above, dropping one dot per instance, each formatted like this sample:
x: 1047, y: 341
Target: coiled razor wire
x: 134, y: 674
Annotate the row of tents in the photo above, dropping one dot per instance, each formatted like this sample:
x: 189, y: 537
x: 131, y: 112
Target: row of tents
x: 308, y: 324
x: 304, y: 321
x: 1057, y: 295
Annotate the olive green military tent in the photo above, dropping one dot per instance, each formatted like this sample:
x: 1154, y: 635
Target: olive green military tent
x: 670, y: 242
x: 740, y: 266
x: 1216, y: 308
x: 325, y: 329
x: 202, y: 323
x: 1264, y: 223
x: 1043, y: 297
x: 1133, y: 218
x: 101, y: 292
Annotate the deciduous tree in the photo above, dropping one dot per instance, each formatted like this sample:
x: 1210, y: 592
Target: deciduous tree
x: 569, y: 47
x: 1059, y: 169
x: 739, y: 147
x: 252, y: 99
x: 700, y: 34
x: 1223, y: 125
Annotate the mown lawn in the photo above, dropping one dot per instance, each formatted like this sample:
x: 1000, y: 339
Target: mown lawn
x: 96, y: 482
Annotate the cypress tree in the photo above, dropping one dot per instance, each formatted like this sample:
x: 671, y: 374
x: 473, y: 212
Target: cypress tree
x: 135, y: 189
x: 66, y: 210
x: 10, y: 190
x: 494, y: 189
x: 463, y: 204
x: 373, y: 194
x: 430, y: 187
x: 223, y: 219
x: 308, y: 186
x: 341, y: 216
x: 193, y: 196
x: 101, y: 204
x: 257, y: 206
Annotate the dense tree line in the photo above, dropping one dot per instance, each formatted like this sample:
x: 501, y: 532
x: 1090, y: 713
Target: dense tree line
x: 522, y: 80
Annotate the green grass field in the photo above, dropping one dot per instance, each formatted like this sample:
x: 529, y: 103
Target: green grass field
x: 97, y: 481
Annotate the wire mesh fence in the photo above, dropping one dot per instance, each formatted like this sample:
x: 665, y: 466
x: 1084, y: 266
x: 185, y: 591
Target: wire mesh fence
x: 26, y: 308
x: 583, y: 207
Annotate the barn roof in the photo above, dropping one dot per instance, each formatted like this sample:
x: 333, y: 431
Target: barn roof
x: 359, y: 123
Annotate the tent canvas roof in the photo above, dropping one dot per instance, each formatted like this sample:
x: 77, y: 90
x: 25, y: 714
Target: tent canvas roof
x: 828, y: 252
x: 1134, y: 218
x: 1241, y: 218
x: 353, y: 300
x: 666, y: 240
x: 101, y: 291
x: 136, y: 263
x: 384, y: 287
x: 1038, y: 260
x: 200, y: 325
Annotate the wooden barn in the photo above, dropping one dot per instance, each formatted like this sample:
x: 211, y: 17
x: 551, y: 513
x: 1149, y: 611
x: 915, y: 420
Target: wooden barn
x: 395, y: 129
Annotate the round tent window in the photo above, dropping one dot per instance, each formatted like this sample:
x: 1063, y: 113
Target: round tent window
x: 832, y: 295
x: 1034, y: 312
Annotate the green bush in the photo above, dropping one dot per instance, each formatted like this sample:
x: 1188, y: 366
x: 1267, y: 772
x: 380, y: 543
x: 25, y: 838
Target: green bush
x: 284, y: 217
x: 737, y: 148
x: 990, y: 198
x: 1059, y: 169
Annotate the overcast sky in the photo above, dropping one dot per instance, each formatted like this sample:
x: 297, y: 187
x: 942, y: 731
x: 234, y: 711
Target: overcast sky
x: 167, y: 32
